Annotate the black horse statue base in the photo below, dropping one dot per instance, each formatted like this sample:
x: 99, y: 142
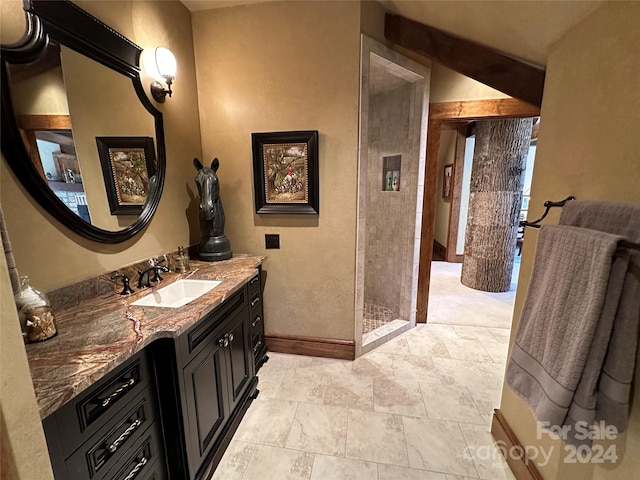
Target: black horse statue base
x: 214, y: 245
x: 215, y: 249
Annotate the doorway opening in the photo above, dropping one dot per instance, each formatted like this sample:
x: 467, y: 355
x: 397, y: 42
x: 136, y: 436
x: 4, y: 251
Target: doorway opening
x: 450, y: 302
x: 455, y: 162
x: 442, y: 117
x: 393, y: 101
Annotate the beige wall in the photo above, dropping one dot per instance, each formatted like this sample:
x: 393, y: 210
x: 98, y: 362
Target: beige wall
x: 446, y: 155
x: 372, y: 16
x: 42, y: 94
x: 450, y: 86
x: 588, y: 147
x: 22, y: 443
x: 46, y: 250
x: 281, y: 66
x: 13, y: 21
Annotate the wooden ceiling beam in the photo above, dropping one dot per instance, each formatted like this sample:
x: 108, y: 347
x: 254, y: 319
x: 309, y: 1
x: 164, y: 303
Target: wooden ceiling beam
x: 482, y: 109
x: 44, y: 122
x: 508, y: 75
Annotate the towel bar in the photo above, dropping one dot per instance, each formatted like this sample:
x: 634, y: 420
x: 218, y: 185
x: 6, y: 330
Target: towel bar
x: 629, y: 245
x: 549, y: 205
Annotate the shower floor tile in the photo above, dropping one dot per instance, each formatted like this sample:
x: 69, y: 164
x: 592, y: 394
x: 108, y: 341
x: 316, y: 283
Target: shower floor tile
x: 375, y: 316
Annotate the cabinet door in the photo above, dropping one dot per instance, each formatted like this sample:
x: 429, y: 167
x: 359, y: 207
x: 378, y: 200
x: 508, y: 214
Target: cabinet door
x: 240, y: 357
x: 206, y: 401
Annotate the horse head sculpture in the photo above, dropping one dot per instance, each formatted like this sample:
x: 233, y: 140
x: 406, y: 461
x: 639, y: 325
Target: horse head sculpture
x: 214, y: 245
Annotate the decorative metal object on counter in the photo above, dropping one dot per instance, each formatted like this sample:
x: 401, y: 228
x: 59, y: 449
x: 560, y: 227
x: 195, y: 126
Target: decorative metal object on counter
x: 35, y: 313
x: 214, y: 245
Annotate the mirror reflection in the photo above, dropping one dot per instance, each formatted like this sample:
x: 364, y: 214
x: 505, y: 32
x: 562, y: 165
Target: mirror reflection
x: 57, y: 162
x: 63, y: 102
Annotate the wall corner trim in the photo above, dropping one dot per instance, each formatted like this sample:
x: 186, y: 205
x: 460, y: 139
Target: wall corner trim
x: 522, y: 468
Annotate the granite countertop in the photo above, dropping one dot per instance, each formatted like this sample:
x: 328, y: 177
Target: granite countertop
x: 97, y: 335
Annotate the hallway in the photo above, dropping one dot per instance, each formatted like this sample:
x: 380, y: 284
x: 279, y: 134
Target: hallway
x: 452, y: 303
x: 417, y: 408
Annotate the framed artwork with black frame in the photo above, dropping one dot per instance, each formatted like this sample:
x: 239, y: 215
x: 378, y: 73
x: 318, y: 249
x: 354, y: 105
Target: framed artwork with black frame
x: 128, y: 167
x: 285, y: 172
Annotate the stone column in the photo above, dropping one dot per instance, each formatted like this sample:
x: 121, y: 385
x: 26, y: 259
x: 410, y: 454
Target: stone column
x: 495, y: 197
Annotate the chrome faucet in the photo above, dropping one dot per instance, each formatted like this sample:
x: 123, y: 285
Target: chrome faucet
x: 144, y: 281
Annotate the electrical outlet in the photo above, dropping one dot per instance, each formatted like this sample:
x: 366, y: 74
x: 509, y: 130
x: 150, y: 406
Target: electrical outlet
x: 272, y: 240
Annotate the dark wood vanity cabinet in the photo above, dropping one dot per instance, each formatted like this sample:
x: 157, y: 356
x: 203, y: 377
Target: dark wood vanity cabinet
x: 256, y: 291
x: 216, y: 376
x: 112, y: 431
x: 171, y: 410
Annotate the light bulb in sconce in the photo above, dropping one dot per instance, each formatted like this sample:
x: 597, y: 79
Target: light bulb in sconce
x: 165, y: 63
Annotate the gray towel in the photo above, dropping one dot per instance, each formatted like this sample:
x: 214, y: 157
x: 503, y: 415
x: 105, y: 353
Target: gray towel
x: 614, y: 390
x: 560, y: 317
x: 611, y: 217
x: 582, y: 411
x: 605, y: 387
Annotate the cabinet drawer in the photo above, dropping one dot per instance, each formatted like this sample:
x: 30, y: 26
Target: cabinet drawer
x: 257, y: 343
x: 254, y: 284
x: 257, y: 323
x: 111, y: 442
x: 255, y: 302
x: 157, y: 471
x: 206, y: 329
x: 143, y: 460
x: 81, y: 418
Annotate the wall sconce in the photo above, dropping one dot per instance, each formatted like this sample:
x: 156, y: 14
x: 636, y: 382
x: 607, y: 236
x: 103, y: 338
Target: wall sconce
x: 165, y: 62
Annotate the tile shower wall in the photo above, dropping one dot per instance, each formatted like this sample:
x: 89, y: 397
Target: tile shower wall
x: 393, y: 112
x: 388, y: 217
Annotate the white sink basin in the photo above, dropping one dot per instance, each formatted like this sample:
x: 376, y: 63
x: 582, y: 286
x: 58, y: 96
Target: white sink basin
x: 177, y: 294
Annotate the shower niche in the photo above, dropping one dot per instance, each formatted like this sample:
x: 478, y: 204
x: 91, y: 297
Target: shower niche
x: 391, y: 170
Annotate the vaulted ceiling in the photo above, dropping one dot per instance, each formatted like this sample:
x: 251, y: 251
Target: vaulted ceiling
x: 522, y: 29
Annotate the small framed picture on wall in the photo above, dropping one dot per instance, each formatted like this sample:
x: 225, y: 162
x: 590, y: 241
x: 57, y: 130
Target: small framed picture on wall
x: 285, y: 172
x: 447, y: 181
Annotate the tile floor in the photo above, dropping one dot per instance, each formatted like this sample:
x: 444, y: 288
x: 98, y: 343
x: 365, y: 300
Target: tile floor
x: 417, y: 408
x: 452, y: 303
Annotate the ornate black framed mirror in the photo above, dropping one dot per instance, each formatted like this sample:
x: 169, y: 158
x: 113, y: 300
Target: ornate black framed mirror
x: 66, y: 83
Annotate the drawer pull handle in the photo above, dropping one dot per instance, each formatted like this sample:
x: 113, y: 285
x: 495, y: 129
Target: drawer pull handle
x: 230, y: 337
x: 253, y: 280
x: 255, y: 322
x: 132, y: 474
x: 129, y: 383
x: 114, y: 446
x: 254, y: 301
x: 255, y: 349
